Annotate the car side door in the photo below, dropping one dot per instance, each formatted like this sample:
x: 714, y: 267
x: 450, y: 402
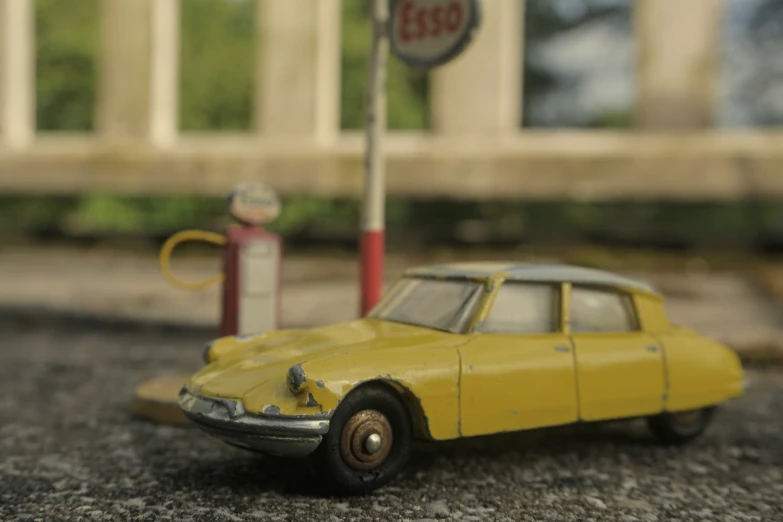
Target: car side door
x: 619, y: 367
x: 518, y: 370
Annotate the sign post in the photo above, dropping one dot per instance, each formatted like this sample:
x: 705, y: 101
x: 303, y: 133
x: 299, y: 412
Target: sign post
x: 423, y: 34
x: 372, y: 241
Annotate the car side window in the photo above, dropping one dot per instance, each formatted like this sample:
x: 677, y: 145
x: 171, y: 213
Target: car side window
x: 597, y: 310
x: 524, y: 308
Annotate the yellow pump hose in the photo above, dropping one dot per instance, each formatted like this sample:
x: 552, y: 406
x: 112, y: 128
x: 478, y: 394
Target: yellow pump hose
x: 181, y: 237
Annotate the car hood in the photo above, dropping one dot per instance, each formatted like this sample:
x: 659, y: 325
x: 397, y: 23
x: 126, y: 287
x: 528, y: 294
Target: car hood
x: 267, y: 361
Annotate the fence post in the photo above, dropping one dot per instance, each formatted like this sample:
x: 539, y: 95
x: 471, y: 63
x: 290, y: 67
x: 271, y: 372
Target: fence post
x: 17, y: 73
x: 164, y: 84
x: 678, y: 51
x: 298, y: 69
x: 139, y: 71
x: 480, y: 93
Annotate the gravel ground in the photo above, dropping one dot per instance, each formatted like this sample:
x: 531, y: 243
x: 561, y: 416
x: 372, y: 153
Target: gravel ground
x: 71, y: 450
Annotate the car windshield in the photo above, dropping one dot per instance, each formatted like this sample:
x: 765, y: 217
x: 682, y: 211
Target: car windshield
x: 440, y: 304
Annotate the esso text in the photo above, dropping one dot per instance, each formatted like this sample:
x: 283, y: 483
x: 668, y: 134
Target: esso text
x: 420, y: 23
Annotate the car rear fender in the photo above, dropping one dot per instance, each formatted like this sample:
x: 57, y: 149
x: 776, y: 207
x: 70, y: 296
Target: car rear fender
x: 699, y: 372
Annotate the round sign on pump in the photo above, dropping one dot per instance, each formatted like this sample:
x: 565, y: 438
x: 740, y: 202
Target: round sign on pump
x: 429, y: 33
x: 253, y: 204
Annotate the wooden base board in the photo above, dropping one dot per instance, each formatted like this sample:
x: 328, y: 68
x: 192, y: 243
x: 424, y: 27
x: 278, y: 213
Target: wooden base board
x: 156, y: 400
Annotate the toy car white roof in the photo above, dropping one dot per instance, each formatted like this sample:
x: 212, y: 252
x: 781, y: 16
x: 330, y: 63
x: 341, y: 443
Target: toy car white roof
x: 549, y: 273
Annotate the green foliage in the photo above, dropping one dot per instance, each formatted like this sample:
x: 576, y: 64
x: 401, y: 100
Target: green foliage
x: 407, y: 88
x: 217, y: 64
x: 103, y: 213
x: 67, y: 41
x: 412, y: 222
x: 31, y: 214
x: 305, y: 212
x: 614, y: 120
x: 107, y: 213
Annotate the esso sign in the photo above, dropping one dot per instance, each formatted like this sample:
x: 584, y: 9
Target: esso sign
x: 428, y: 33
x: 253, y: 204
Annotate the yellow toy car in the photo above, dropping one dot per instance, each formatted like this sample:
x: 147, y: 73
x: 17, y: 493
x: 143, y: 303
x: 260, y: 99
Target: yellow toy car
x: 456, y: 351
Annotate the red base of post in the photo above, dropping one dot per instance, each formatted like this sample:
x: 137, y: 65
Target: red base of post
x: 371, y: 268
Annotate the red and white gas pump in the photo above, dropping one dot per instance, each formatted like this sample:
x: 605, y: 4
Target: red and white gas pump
x: 252, y: 263
x: 251, y: 289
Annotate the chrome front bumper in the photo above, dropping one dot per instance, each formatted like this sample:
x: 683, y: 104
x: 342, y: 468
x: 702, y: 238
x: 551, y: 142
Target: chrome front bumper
x: 279, y: 435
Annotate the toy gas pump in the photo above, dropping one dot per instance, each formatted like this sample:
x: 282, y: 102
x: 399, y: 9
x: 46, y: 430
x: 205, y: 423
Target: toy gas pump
x: 251, y: 263
x: 251, y: 287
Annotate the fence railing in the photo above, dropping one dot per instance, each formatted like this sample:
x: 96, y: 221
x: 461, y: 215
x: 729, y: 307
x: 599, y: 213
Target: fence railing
x: 475, y: 148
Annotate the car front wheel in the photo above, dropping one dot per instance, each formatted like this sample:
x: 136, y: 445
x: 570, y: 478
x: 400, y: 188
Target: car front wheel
x: 681, y: 426
x: 368, y: 442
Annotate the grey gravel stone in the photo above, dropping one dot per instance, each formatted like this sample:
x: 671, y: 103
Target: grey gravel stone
x: 596, y: 502
x: 71, y: 450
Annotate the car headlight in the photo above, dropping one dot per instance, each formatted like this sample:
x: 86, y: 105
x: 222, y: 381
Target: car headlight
x: 205, y: 352
x: 296, y: 378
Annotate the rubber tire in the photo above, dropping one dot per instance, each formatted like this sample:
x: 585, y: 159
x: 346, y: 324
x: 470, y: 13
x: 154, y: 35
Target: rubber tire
x: 334, y: 475
x: 669, y: 432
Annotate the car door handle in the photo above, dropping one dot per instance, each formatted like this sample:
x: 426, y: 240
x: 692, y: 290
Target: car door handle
x: 652, y: 348
x: 562, y: 348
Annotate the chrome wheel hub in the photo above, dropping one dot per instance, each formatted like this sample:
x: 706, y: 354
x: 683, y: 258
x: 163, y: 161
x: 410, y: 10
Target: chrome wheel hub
x: 373, y: 443
x: 366, y: 440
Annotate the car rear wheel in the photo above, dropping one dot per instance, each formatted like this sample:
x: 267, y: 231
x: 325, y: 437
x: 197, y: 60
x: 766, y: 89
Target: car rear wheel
x: 681, y: 426
x: 368, y: 442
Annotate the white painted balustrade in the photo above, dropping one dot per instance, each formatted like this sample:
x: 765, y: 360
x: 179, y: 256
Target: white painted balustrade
x: 17, y: 74
x: 475, y: 149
